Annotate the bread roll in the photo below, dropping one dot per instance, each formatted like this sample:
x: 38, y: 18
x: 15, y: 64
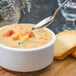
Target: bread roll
x: 65, y: 44
x: 74, y: 53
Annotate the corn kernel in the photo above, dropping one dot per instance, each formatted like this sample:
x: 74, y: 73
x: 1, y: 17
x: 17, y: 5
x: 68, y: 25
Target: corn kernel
x: 22, y: 33
x: 26, y: 37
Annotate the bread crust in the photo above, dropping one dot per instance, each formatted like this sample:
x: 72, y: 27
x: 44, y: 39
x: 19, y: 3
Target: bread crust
x: 65, y: 44
x: 74, y: 53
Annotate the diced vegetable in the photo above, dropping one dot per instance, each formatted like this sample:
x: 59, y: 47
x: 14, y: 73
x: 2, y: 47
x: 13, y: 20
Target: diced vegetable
x: 30, y: 34
x: 22, y: 33
x: 15, y: 37
x: 26, y: 38
x: 9, y: 33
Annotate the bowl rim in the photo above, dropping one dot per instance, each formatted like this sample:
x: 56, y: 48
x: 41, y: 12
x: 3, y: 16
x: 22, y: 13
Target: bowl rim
x: 30, y: 49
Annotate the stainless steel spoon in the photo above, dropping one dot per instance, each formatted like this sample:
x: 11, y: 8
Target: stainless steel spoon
x: 47, y: 21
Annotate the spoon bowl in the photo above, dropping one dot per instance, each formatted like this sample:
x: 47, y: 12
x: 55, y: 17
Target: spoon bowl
x: 45, y: 22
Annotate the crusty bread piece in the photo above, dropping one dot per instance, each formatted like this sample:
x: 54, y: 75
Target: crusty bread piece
x: 74, y: 53
x: 65, y: 44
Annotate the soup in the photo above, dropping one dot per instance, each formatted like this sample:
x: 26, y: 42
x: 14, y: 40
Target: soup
x: 21, y: 36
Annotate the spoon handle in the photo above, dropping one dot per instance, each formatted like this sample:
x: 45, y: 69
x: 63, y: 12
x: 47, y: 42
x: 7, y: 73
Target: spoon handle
x: 57, y: 10
x: 47, y: 21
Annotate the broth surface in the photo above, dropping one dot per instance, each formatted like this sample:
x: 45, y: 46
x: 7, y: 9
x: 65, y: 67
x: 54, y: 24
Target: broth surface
x: 21, y: 36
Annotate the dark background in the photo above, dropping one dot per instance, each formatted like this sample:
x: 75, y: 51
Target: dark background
x: 40, y: 10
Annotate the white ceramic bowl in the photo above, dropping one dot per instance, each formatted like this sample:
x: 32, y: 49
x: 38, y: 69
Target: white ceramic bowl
x: 26, y: 60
